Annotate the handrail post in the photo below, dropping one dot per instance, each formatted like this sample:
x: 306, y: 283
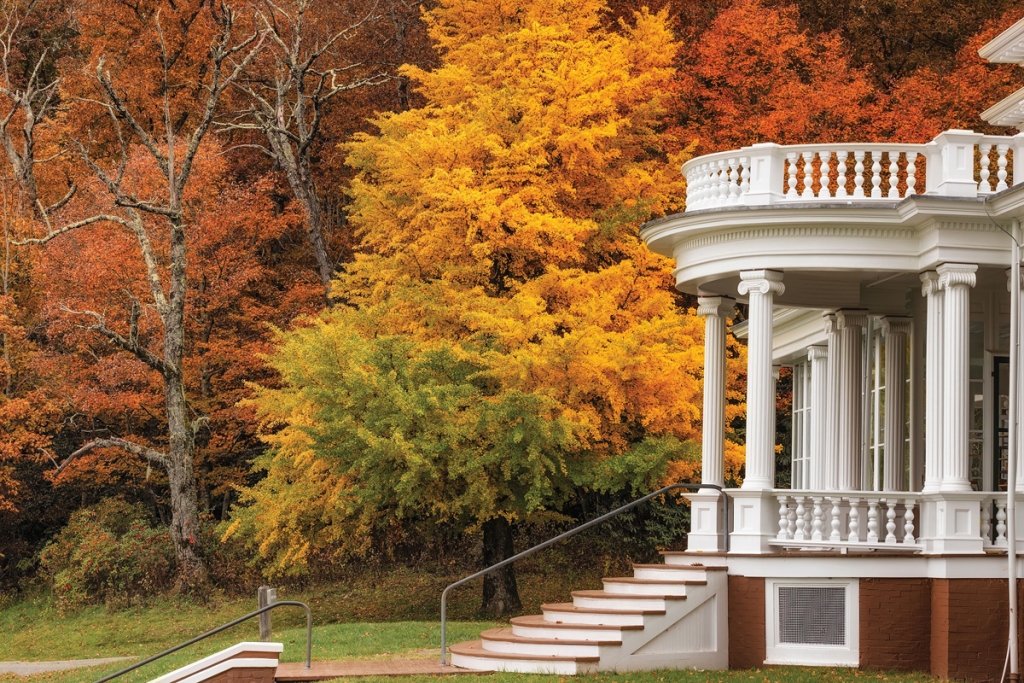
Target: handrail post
x: 562, y: 536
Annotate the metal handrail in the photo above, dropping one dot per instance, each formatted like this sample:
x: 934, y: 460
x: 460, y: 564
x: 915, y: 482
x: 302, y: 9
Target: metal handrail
x: 567, y: 534
x: 283, y: 603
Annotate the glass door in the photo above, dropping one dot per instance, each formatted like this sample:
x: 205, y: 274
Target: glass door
x: 1001, y: 389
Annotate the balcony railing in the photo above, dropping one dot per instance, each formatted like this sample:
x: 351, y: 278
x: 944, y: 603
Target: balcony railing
x: 955, y: 164
x: 871, y: 520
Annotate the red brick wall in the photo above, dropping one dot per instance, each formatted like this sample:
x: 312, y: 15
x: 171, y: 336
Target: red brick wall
x: 746, y: 622
x: 245, y: 675
x: 968, y: 628
x: 895, y: 624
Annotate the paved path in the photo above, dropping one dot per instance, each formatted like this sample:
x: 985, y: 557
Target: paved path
x: 289, y: 672
x: 29, y: 668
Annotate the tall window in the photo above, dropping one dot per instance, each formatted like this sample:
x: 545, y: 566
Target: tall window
x: 801, y: 425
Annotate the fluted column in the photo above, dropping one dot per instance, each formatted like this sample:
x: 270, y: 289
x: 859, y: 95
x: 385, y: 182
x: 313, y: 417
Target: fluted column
x: 850, y: 323
x: 761, y: 286
x: 831, y: 451
x: 933, y: 446
x: 715, y: 309
x: 818, y: 356
x: 895, y: 331
x: 956, y: 280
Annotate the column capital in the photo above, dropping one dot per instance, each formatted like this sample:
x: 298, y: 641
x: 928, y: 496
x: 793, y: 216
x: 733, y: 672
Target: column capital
x: 776, y: 372
x: 851, y: 317
x: 830, y: 323
x: 720, y: 306
x: 929, y: 283
x: 953, y: 274
x: 896, y: 325
x: 1009, y: 278
x: 762, y: 281
x: 817, y: 352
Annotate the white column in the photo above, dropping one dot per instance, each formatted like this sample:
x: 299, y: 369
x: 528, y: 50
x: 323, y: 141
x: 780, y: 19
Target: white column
x: 956, y: 279
x: 761, y: 286
x: 1020, y: 459
x: 715, y: 309
x: 818, y: 356
x: 895, y: 331
x: 933, y: 446
x: 831, y: 451
x: 850, y: 323
x: 917, y: 342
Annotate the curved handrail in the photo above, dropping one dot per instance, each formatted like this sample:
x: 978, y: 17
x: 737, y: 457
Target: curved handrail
x: 282, y: 603
x: 567, y: 534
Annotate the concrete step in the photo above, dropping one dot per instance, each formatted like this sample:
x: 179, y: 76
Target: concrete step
x: 505, y: 641
x: 677, y: 557
x: 569, y: 613
x: 619, y: 601
x: 472, y: 655
x: 638, y: 586
x: 536, y: 626
x: 672, y: 572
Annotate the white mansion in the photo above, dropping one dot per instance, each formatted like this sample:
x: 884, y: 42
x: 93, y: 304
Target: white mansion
x: 878, y: 273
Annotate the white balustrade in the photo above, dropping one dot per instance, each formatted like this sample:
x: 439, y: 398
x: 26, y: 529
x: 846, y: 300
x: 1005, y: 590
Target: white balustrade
x: 815, y: 519
x: 774, y: 174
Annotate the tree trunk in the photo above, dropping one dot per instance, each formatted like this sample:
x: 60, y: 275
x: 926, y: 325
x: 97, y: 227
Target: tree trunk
x: 501, y: 595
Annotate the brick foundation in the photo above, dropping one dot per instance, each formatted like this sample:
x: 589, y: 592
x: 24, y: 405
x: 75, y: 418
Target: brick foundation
x: 895, y: 624
x: 746, y: 622
x: 245, y: 675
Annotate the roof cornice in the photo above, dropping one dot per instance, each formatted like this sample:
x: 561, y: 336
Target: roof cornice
x: 1007, y: 47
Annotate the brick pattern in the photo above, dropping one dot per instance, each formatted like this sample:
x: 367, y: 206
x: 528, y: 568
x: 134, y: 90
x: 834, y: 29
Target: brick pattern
x: 245, y: 675
x: 746, y: 622
x: 895, y: 624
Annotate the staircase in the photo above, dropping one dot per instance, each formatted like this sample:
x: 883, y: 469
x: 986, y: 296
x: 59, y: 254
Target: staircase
x: 666, y: 616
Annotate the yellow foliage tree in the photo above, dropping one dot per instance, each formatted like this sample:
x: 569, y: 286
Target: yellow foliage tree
x: 502, y: 271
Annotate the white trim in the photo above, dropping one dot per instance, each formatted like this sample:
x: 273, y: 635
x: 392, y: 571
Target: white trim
x: 218, y: 657
x: 812, y: 655
x: 873, y: 566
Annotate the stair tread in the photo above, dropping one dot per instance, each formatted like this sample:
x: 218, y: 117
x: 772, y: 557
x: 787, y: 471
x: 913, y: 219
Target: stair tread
x: 700, y: 567
x: 569, y: 607
x: 475, y: 648
x: 605, y: 595
x: 506, y: 635
x: 538, y: 621
x: 656, y: 582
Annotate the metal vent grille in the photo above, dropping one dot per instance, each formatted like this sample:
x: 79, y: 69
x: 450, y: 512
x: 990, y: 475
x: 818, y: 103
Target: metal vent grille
x: 812, y: 615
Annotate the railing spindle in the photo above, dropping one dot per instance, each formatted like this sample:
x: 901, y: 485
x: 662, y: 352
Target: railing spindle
x: 873, y: 521
x: 841, y: 170
x: 858, y: 169
x: 876, y: 174
x: 894, y: 175
x: 890, y: 524
x: 854, y: 536
x: 984, y: 185
x: 783, y: 534
x: 1002, y: 149
x: 908, y: 521
x: 835, y: 536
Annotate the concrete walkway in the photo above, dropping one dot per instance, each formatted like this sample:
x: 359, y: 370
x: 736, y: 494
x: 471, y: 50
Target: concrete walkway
x: 293, y: 672
x: 29, y: 668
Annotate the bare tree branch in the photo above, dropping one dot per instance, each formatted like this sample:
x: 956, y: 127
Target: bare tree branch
x: 150, y: 454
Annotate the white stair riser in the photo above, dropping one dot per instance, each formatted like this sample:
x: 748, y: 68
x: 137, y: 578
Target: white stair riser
x: 594, y: 618
x: 560, y: 650
x: 567, y: 633
x: 670, y: 574
x: 520, y: 666
x: 678, y: 560
x: 623, y: 603
x: 644, y: 588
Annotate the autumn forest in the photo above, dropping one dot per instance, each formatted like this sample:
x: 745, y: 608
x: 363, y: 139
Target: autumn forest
x: 291, y: 284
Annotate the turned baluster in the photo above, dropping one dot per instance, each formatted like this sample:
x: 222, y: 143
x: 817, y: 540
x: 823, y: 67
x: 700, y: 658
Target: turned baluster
x: 835, y: 536
x: 890, y: 524
x: 817, y: 523
x: 734, y: 182
x: 791, y: 192
x: 723, y: 183
x: 858, y: 179
x: 791, y: 517
x: 783, y: 534
x: 872, y: 521
x: 745, y: 175
x: 801, y: 533
x: 986, y: 523
x: 894, y: 175
x: 825, y: 174
x: 876, y: 174
x: 911, y: 172
x: 1000, y: 523
x: 1002, y: 149
x: 854, y: 536
x: 808, y: 192
x: 698, y: 189
x: 841, y: 171
x: 908, y: 522
x: 984, y: 185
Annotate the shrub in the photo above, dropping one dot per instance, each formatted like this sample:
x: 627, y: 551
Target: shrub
x: 108, y: 553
